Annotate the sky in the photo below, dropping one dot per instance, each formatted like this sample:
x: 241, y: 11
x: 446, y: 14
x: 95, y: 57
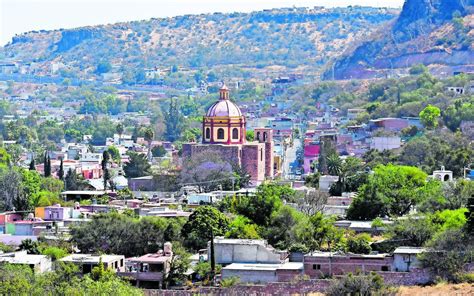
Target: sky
x: 18, y: 16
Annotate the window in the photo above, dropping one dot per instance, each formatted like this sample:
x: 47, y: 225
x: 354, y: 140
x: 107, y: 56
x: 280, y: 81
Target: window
x: 220, y: 134
x: 121, y: 262
x: 261, y: 154
x: 264, y: 136
x: 258, y: 136
x: 235, y: 133
x: 208, y: 133
x: 384, y: 268
x: 316, y: 266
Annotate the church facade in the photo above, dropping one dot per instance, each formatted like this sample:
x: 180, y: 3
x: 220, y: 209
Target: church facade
x: 224, y: 131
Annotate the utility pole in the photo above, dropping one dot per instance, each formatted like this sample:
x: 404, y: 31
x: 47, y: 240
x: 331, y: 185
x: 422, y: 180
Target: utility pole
x: 213, y: 260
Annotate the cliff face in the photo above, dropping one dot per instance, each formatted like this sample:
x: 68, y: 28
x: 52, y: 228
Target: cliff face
x: 426, y: 31
x: 71, y: 38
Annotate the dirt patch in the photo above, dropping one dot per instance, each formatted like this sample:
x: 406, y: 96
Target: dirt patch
x: 438, y: 290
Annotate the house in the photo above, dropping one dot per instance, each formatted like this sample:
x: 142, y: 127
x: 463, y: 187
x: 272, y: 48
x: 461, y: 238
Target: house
x: 405, y: 258
x: 311, y: 154
x: 263, y: 273
x: 38, y: 263
x: 443, y: 175
x: 88, y: 261
x: 81, y: 194
x: 150, y: 270
x: 389, y: 124
x: 322, y: 264
x: 164, y: 212
x: 385, y: 143
x: 228, y: 251
x: 326, y: 181
x: 457, y: 90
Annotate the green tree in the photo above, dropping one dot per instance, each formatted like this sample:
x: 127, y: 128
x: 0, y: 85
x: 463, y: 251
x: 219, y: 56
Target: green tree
x: 242, y: 227
x: 32, y: 166
x: 334, y: 164
x: 173, y: 121
x: 204, y: 222
x: 149, y: 135
x: 250, y: 136
x: 390, y: 191
x: 105, y: 168
x: 119, y: 129
x: 30, y: 246
x: 350, y: 284
x: 179, y: 265
x: 137, y: 166
x: 448, y: 253
x: 429, y: 116
x: 47, y: 165
x: 158, y: 151
x: 61, y: 170
x: 359, y: 244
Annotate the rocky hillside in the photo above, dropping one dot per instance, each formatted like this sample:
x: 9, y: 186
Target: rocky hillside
x: 432, y: 32
x: 287, y: 37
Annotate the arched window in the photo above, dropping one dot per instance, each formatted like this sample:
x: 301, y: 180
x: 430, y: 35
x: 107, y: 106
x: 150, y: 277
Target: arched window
x: 208, y: 133
x: 264, y: 136
x: 235, y: 133
x: 220, y: 134
x: 258, y: 136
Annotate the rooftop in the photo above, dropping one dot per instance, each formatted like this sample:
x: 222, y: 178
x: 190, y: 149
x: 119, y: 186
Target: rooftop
x: 409, y: 250
x: 263, y: 267
x: 91, y: 258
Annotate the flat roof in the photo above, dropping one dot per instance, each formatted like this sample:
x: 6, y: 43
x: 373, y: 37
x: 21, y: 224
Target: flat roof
x: 409, y: 250
x: 89, y: 258
x: 263, y: 267
x: 84, y: 192
x: 152, y: 258
x: 21, y: 258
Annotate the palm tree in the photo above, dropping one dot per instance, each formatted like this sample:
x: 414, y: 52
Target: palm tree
x: 334, y: 164
x: 119, y: 129
x: 149, y: 134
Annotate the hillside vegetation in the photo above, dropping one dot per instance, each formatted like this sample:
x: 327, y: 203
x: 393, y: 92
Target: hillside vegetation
x: 289, y: 37
x: 438, y: 33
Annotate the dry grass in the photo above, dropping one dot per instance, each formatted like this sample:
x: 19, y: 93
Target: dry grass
x: 438, y: 290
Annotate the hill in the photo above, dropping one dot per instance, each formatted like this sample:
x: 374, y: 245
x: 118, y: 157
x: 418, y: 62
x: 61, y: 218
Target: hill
x: 435, y: 32
x: 291, y: 37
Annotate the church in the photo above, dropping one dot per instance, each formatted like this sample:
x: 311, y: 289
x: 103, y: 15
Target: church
x: 223, y: 132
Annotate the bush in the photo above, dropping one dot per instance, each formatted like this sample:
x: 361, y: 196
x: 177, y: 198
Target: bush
x: 359, y: 244
x: 229, y: 282
x: 359, y: 285
x: 54, y: 252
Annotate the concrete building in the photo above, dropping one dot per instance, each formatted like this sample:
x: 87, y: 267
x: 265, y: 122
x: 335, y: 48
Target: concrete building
x: 326, y: 181
x: 150, y: 270
x: 405, y: 258
x: 443, y: 175
x: 385, y: 143
x: 88, y: 261
x: 38, y: 263
x: 263, y: 273
x: 228, y: 251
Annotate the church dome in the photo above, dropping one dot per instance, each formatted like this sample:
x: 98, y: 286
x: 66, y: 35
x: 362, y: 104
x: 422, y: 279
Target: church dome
x: 224, y: 107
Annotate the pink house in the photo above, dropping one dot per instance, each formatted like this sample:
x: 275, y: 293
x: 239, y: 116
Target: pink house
x: 311, y: 154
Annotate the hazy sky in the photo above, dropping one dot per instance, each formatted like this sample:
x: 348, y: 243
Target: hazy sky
x: 19, y: 16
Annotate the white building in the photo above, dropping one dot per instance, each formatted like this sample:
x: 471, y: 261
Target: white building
x: 88, y: 261
x: 38, y: 263
x: 405, y: 258
x: 385, y: 143
x: 227, y: 251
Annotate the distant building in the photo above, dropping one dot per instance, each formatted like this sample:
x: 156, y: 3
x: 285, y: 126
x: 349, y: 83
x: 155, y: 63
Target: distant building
x: 38, y: 263
x: 87, y: 262
x: 224, y: 131
x: 385, y: 143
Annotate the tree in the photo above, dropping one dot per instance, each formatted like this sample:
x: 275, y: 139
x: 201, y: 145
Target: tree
x: 137, y: 166
x: 250, y: 136
x: 412, y: 231
x: 204, y: 223
x: 242, y: 227
x: 149, y: 134
x: 359, y: 244
x: 30, y: 246
x: 114, y: 153
x: 448, y: 253
x: 334, y: 164
x: 103, y: 67
x: 105, y: 168
x: 179, y: 265
x: 312, y: 201
x: 350, y: 284
x: 429, y: 116
x: 61, y: 170
x: 47, y: 165
x: 158, y: 151
x: 390, y: 191
x: 173, y: 121
x: 119, y: 129
x: 32, y: 166
x: 206, y: 170
x: 267, y: 200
